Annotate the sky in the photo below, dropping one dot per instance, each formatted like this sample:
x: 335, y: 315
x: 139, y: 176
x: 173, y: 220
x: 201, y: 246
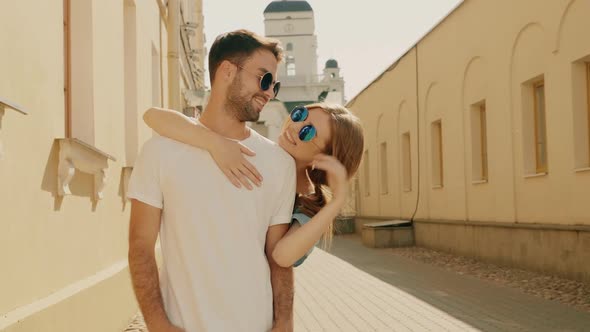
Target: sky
x: 365, y: 37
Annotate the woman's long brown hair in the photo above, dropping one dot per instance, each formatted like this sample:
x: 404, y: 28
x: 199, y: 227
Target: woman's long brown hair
x: 346, y: 145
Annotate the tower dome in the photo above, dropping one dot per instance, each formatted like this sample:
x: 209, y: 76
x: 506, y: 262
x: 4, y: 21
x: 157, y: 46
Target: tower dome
x: 288, y: 6
x: 331, y: 63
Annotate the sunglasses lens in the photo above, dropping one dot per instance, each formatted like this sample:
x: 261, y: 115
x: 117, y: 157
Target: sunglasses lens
x: 276, y: 88
x: 299, y: 114
x: 307, y: 133
x: 266, y: 81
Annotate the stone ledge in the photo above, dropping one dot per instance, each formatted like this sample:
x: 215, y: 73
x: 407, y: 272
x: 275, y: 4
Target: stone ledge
x: 388, y: 234
x: 77, y: 155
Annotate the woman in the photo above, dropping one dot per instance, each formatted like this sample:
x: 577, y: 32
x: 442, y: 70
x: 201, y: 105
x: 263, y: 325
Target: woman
x: 326, y: 142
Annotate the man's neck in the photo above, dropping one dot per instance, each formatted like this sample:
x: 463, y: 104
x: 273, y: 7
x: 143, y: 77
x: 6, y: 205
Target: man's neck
x: 219, y: 120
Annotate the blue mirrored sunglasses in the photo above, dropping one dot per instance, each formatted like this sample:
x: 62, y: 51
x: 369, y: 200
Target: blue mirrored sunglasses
x: 307, y: 132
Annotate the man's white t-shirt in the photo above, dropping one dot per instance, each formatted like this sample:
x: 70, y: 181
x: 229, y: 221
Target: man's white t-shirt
x: 215, y: 275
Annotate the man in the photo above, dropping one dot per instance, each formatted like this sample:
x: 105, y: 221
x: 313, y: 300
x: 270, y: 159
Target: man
x: 217, y: 273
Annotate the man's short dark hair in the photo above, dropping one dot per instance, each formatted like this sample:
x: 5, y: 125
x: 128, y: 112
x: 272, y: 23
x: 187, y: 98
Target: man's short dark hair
x: 237, y: 46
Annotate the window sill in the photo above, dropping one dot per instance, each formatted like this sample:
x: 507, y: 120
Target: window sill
x: 407, y: 190
x: 475, y: 182
x: 77, y: 155
x: 437, y: 187
x: 582, y: 170
x: 537, y: 175
x: 5, y: 104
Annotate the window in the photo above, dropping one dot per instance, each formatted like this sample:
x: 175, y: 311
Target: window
x: 540, y: 126
x: 534, y: 130
x: 130, y: 81
x: 479, y: 144
x: 588, y: 104
x: 291, y: 66
x: 156, y: 90
x: 367, y: 178
x: 79, y: 57
x: 406, y: 162
x: 581, y: 112
x: 289, y: 46
x: 291, y: 69
x: 384, y: 178
x: 437, y: 154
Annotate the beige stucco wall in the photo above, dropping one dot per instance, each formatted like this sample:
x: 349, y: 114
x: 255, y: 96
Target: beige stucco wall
x: 65, y: 260
x: 469, y: 57
x: 548, y: 249
x: 487, y: 51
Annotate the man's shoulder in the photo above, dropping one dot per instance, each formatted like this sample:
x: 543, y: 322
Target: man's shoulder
x: 161, y: 144
x: 273, y: 151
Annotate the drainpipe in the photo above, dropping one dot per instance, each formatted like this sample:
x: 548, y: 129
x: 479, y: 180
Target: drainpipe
x: 67, y: 70
x: 173, y: 59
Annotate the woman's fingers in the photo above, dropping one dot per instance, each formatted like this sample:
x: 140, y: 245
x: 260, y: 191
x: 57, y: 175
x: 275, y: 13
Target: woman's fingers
x: 242, y: 178
x: 324, y: 165
x: 323, y: 156
x: 324, y: 160
x: 230, y: 176
x: 252, y: 173
x: 247, y: 151
x: 330, y: 165
x: 248, y: 175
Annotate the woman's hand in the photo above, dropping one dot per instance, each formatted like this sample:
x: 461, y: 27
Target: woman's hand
x: 336, y: 175
x: 229, y: 157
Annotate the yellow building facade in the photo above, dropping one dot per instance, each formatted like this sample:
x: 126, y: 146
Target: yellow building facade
x: 75, y: 78
x: 480, y: 134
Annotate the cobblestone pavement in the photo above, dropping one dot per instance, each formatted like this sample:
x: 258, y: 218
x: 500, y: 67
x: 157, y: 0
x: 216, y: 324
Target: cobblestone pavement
x: 354, y: 288
x: 566, y: 291
x: 137, y: 325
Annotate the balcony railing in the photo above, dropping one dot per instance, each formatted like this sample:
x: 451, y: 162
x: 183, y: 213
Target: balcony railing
x: 301, y: 79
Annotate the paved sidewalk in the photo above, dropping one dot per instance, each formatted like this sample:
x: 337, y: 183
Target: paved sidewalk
x: 354, y: 288
x: 382, y: 287
x: 332, y: 295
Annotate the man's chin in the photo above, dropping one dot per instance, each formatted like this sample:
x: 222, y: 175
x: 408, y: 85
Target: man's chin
x: 253, y: 117
x: 254, y: 112
x: 259, y: 108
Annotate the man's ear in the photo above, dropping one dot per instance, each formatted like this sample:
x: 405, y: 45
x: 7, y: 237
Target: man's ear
x: 227, y: 70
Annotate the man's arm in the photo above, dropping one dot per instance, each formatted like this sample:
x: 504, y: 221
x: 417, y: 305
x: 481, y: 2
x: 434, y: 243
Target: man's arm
x: 282, y: 282
x: 143, y: 232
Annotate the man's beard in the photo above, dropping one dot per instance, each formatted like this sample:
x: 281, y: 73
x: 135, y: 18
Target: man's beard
x: 240, y: 106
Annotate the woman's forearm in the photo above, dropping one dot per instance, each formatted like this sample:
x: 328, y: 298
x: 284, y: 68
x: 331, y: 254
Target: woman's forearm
x: 297, y: 242
x: 177, y: 126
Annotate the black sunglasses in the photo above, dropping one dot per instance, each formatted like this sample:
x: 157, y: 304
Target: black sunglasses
x: 307, y: 132
x: 266, y: 81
